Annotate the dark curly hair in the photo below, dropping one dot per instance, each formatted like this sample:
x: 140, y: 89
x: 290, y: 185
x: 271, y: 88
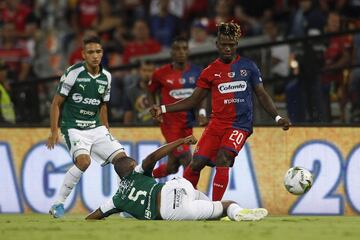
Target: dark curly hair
x: 230, y: 29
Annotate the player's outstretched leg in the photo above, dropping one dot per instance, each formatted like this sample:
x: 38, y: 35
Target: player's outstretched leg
x: 57, y: 210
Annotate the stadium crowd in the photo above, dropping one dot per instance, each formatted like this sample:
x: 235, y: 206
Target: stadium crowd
x: 39, y: 39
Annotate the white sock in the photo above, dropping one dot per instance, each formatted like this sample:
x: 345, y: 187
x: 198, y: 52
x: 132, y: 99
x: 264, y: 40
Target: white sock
x: 72, y: 177
x: 232, y: 210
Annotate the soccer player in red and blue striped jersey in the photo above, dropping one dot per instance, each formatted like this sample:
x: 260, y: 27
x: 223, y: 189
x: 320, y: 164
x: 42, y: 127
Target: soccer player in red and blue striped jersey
x: 176, y: 81
x: 231, y: 79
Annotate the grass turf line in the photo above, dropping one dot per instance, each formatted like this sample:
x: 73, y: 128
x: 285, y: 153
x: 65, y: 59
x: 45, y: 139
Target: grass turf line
x: 74, y: 227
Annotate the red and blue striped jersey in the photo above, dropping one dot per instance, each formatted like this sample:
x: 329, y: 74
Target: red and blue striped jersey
x: 174, y: 86
x: 231, y: 87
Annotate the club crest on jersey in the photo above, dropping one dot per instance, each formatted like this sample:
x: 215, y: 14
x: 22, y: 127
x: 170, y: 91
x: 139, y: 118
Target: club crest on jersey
x: 192, y: 79
x: 101, y: 89
x: 182, y: 80
x: 243, y: 72
x: 231, y: 74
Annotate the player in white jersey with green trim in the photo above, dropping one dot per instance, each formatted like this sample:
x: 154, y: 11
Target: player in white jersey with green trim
x: 144, y: 198
x: 83, y: 92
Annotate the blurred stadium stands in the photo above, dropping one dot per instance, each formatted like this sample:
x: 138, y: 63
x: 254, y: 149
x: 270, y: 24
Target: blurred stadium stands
x: 310, y: 61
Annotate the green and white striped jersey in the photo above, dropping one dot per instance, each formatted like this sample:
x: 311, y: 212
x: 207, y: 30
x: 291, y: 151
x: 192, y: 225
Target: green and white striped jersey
x: 83, y: 94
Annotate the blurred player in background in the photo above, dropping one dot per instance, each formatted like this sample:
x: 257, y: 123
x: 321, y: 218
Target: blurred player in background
x: 231, y: 79
x: 140, y: 195
x: 176, y: 81
x: 82, y: 94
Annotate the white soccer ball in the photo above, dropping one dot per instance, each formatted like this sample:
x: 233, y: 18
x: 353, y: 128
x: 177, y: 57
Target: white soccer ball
x: 298, y: 180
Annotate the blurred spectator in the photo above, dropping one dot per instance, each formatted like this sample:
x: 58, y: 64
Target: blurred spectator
x: 199, y: 36
x: 223, y: 13
x: 337, y: 55
x: 306, y: 17
x: 174, y: 7
x: 53, y: 15
x: 106, y: 20
x: 164, y: 26
x: 7, y: 113
x: 14, y: 55
x: 21, y: 16
x: 354, y: 80
x: 249, y: 25
x: 279, y: 54
x: 142, y: 43
x: 137, y: 102
x: 84, y: 14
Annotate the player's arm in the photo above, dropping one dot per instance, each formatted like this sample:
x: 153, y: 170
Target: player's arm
x: 104, y: 114
x: 150, y: 161
x: 269, y: 106
x: 54, y: 120
x: 202, y: 118
x: 183, y: 105
x: 98, y: 214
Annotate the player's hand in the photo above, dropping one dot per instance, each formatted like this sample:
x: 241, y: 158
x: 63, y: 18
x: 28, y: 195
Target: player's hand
x: 203, y: 120
x: 191, y: 140
x: 155, y: 112
x: 52, y: 140
x: 284, y: 123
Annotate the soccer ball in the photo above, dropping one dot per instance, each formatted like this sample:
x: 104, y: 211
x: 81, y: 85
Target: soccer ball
x: 298, y: 180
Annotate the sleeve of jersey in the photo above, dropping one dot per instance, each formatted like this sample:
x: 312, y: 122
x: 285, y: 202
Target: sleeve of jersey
x: 65, y: 85
x: 106, y: 96
x: 203, y: 81
x: 154, y: 83
x: 255, y: 76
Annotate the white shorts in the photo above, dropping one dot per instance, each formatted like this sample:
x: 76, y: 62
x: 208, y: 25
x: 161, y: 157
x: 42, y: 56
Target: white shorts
x: 179, y: 202
x: 96, y: 142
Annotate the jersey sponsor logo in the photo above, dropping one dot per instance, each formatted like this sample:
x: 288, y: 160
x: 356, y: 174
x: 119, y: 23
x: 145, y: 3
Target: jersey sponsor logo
x: 101, y: 82
x: 243, y: 72
x: 181, y: 93
x: 231, y: 74
x: 233, y: 100
x: 86, y: 112
x: 229, y: 87
x: 83, y: 79
x: 76, y: 97
x: 101, y: 89
x: 83, y: 124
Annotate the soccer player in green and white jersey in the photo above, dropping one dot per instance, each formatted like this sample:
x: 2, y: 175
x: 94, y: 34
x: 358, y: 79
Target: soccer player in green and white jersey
x: 144, y: 198
x: 83, y: 92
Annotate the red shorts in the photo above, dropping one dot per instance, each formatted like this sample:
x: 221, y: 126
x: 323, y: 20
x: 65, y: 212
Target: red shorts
x: 215, y: 138
x: 173, y: 133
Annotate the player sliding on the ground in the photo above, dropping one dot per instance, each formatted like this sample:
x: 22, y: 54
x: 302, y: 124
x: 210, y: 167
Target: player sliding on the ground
x: 144, y: 198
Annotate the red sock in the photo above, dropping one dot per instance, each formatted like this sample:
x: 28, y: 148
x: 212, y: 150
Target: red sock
x: 220, y: 183
x: 160, y: 171
x: 192, y: 176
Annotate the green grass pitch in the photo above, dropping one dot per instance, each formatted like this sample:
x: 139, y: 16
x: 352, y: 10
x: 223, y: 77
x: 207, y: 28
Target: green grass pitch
x: 74, y: 227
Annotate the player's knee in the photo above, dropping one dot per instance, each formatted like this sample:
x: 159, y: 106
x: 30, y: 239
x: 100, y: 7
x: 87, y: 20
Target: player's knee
x: 197, y: 164
x: 225, y: 158
x: 82, y: 162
